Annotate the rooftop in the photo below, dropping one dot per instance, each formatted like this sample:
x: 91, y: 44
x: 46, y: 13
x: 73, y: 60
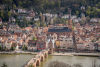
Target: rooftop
x: 59, y: 29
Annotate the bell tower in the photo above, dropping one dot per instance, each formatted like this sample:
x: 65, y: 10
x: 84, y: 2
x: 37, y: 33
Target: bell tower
x: 70, y: 22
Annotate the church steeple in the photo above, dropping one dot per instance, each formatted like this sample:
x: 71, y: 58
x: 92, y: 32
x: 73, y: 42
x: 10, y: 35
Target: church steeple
x: 70, y: 16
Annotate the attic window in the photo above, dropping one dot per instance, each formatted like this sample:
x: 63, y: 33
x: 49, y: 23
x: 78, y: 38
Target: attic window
x: 61, y: 40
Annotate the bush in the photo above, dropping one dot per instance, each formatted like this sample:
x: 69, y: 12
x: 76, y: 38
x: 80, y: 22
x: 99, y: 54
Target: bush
x: 12, y: 48
x: 31, y: 65
x: 62, y: 64
x: 4, y: 65
x: 58, y: 64
x: 24, y: 47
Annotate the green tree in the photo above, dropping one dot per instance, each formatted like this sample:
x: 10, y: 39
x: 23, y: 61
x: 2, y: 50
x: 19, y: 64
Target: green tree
x: 77, y: 13
x: 9, y: 14
x: 88, y: 13
x: 24, y: 21
x: 52, y: 4
x: 14, y: 6
x: 82, y: 22
x: 34, y: 38
x: 59, y: 3
x: 94, y: 8
x: 73, y: 27
x: 98, y: 4
x: 24, y: 47
x: 31, y: 65
x: 62, y: 64
x: 89, y: 8
x: 58, y: 64
x: 87, y: 19
x: 66, y: 22
x: 4, y: 65
x: 2, y: 14
x: 12, y: 48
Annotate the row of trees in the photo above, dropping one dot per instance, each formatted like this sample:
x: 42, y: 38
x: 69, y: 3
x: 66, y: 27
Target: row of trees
x: 93, y: 11
x: 37, y: 4
x: 62, y: 64
x: 42, y: 5
x: 13, y: 48
x: 59, y: 64
x: 60, y: 20
x: 5, y: 15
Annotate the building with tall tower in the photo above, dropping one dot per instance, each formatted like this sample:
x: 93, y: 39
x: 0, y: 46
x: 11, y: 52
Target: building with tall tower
x: 70, y: 26
x: 70, y: 22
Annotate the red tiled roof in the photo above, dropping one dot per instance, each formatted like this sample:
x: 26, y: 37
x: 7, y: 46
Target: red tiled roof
x: 28, y: 28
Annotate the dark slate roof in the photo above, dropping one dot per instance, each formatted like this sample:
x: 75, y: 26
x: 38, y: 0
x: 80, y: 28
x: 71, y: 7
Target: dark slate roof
x: 25, y: 31
x: 4, y: 32
x: 34, y: 25
x: 58, y: 29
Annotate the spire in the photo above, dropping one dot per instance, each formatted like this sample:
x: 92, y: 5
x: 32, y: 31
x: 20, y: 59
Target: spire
x: 69, y: 9
x: 70, y: 16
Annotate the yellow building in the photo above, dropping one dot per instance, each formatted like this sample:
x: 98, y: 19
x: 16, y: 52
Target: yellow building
x: 58, y: 43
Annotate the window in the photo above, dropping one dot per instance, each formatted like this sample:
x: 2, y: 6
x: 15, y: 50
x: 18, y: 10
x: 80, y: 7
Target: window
x: 60, y: 40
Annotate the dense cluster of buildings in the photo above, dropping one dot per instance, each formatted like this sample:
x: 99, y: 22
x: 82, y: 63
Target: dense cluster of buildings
x: 60, y: 36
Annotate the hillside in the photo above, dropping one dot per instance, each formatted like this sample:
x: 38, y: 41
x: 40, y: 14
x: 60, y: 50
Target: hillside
x: 92, y: 7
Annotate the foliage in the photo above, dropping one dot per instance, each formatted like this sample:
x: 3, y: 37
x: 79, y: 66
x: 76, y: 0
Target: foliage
x: 77, y: 65
x: 93, y: 40
x: 9, y: 14
x: 87, y: 19
x: 66, y: 22
x: 58, y: 64
x: 12, y: 48
x: 60, y: 20
x: 34, y: 38
x: 24, y: 47
x: 31, y: 65
x: 73, y: 28
x: 82, y: 22
x: 51, y: 6
x: 14, y: 6
x: 94, y: 64
x: 4, y: 65
x: 77, y: 13
x: 62, y: 64
x: 64, y: 47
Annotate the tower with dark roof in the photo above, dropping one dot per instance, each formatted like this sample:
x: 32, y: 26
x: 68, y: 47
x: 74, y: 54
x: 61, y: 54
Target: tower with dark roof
x: 70, y: 16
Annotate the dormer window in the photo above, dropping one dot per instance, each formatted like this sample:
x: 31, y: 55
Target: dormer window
x: 61, y: 40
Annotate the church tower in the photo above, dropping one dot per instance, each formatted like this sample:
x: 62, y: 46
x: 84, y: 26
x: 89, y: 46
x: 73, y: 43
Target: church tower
x: 70, y: 22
